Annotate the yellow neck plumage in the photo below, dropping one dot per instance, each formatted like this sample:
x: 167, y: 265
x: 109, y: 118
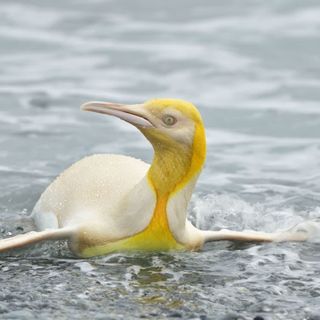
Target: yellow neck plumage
x: 173, y: 167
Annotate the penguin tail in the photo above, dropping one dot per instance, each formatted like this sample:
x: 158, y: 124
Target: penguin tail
x: 26, y: 239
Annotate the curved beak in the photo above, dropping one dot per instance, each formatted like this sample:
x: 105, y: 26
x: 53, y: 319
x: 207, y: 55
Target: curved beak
x: 134, y: 114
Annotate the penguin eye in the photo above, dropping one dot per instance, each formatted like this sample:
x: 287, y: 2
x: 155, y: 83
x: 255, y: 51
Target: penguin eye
x: 169, y: 120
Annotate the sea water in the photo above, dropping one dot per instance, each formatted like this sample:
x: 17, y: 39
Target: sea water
x: 252, y: 68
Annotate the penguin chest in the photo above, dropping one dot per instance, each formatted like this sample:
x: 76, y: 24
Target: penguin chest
x: 157, y: 236
x: 144, y: 241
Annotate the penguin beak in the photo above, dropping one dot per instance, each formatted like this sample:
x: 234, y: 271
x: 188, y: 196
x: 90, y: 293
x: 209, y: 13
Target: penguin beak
x: 134, y: 114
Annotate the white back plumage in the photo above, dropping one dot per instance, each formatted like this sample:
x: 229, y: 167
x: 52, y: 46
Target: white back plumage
x: 96, y: 192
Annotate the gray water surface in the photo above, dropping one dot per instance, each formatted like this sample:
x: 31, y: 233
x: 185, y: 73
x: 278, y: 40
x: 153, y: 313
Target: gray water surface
x: 252, y: 68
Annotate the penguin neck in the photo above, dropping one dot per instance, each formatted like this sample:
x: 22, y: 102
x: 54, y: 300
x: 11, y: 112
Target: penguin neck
x: 172, y: 175
x: 169, y: 169
x: 175, y: 165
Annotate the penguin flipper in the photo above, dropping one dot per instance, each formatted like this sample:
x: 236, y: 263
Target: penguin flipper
x: 304, y: 231
x: 246, y: 236
x: 32, y: 237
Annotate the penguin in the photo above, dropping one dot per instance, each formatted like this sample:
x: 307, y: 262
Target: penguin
x: 112, y: 203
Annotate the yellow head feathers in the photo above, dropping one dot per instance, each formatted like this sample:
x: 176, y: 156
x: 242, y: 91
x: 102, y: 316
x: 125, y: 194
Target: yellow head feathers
x: 174, y: 122
x: 187, y: 108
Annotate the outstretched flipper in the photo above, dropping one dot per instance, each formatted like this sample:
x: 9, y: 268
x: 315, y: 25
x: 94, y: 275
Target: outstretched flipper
x: 305, y: 231
x: 32, y: 237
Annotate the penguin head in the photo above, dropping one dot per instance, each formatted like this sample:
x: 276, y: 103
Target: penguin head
x: 174, y: 122
x: 169, y: 124
x: 167, y: 121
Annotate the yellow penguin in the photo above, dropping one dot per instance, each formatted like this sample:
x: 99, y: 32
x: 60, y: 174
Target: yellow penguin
x: 107, y: 203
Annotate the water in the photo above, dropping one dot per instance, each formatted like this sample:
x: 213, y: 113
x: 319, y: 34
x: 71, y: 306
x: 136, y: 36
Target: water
x: 252, y: 67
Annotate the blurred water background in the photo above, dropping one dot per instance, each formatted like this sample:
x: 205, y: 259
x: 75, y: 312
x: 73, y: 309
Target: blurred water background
x: 252, y: 68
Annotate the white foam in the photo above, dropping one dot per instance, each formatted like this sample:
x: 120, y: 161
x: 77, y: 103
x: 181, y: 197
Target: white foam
x: 84, y: 266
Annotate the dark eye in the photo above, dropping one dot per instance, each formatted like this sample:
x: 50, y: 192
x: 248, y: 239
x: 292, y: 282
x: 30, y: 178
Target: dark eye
x: 169, y: 120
